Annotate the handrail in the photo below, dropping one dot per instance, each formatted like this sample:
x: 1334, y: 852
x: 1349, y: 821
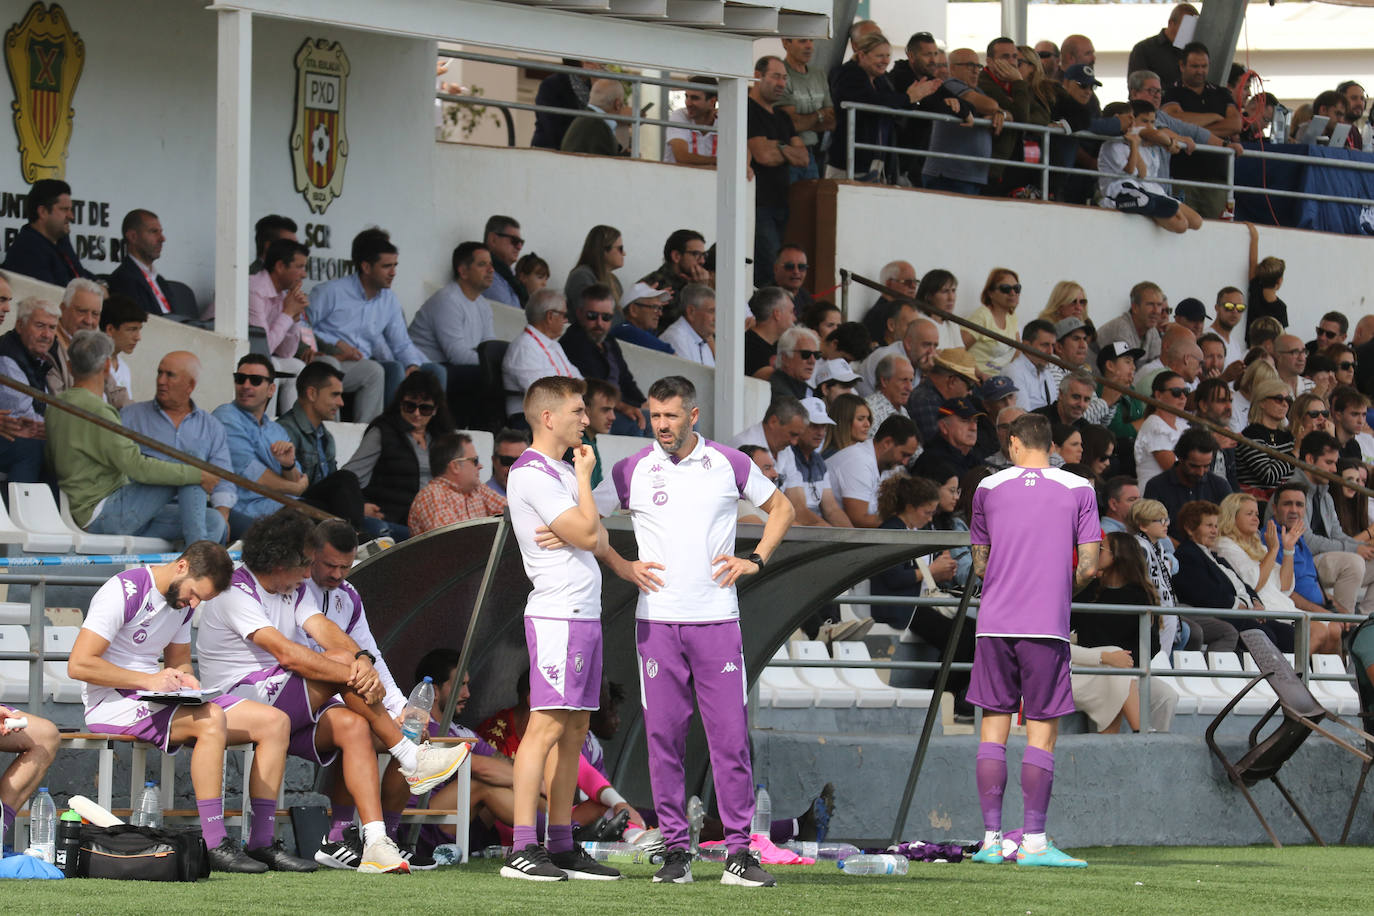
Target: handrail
x: 1045, y: 168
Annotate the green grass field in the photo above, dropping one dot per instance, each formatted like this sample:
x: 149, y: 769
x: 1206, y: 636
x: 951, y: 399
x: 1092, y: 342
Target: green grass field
x: 1172, y: 880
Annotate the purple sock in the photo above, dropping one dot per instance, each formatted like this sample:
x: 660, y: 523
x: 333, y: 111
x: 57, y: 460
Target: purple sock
x: 783, y: 830
x: 211, y: 812
x: 560, y: 837
x: 6, y: 821
x: 1037, y: 779
x: 264, y: 823
x: 392, y: 820
x: 991, y: 769
x: 522, y: 836
x: 340, y: 820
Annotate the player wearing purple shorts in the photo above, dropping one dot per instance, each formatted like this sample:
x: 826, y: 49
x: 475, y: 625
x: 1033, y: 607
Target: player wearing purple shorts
x: 34, y: 747
x: 683, y: 494
x: 251, y: 644
x: 1027, y: 522
x: 141, y: 615
x: 554, y: 517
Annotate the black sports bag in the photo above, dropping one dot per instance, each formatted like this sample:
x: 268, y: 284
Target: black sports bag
x: 130, y: 853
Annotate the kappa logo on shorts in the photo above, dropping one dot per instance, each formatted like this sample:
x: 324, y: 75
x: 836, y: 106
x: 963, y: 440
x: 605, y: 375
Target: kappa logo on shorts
x: 272, y: 690
x: 660, y: 497
x: 730, y: 668
x: 651, y: 668
x: 577, y: 663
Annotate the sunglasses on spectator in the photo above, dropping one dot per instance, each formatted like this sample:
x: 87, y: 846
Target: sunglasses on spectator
x: 1323, y: 332
x: 476, y: 462
x: 245, y: 378
x: 423, y: 410
x: 1077, y: 302
x: 1314, y: 414
x: 808, y: 354
x: 1236, y: 307
x: 1008, y: 287
x: 1046, y: 55
x: 505, y: 460
x: 598, y: 316
x: 515, y: 240
x: 789, y: 265
x: 1178, y: 391
x: 1281, y: 397
x: 1345, y: 367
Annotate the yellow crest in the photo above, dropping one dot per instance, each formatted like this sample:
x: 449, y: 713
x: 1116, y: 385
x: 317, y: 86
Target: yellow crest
x: 319, y: 144
x: 44, y: 58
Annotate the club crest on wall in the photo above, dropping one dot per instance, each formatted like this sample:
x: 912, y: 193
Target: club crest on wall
x: 44, y: 58
x: 319, y: 142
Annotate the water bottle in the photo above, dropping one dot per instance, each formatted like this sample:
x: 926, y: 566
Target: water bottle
x: 763, y: 813
x: 448, y: 854
x: 809, y: 849
x: 713, y: 853
x: 696, y: 819
x: 149, y: 812
x: 43, y: 825
x: 873, y: 865
x: 831, y: 851
x: 627, y: 853
x: 68, y: 842
x: 417, y: 710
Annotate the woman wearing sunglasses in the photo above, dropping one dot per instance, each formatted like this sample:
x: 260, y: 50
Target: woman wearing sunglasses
x: 392, y: 462
x: 1001, y: 294
x: 1309, y: 413
x: 1257, y: 472
x: 1154, y: 445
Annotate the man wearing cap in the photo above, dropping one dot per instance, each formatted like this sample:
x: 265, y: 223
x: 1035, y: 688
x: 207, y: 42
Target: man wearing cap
x: 1034, y: 377
x: 832, y: 378
x: 957, y: 442
x: 894, y: 384
x: 811, y: 491
x: 643, y: 306
x: 856, y: 470
x: 993, y: 396
x: 693, y: 335
x: 1116, y: 361
x: 1138, y: 326
x: 798, y: 350
x: 917, y: 339
x: 596, y: 354
x: 951, y: 376
x: 1192, y: 314
x: 1070, y: 345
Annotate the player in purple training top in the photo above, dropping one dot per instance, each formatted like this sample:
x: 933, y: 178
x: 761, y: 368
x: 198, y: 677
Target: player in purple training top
x: 1027, y: 522
x: 683, y: 494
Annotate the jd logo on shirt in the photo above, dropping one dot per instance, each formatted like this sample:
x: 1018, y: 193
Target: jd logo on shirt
x: 660, y: 497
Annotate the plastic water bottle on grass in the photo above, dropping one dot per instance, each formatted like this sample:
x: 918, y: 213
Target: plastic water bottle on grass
x: 417, y: 710
x: 874, y: 865
x: 43, y: 825
x: 763, y: 813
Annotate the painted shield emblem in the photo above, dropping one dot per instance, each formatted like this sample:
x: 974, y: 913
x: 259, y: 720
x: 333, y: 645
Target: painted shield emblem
x: 651, y: 668
x: 319, y: 143
x: 577, y: 662
x: 44, y: 58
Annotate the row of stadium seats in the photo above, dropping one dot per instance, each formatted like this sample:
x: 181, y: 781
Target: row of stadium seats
x: 36, y: 523
x: 14, y: 673
x: 1207, y: 695
x: 836, y: 688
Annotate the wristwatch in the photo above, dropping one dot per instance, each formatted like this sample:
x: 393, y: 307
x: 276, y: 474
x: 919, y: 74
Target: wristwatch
x: 756, y: 560
x: 370, y: 657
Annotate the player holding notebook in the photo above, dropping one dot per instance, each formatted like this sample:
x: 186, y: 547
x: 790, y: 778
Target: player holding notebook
x: 683, y: 494
x: 1026, y: 523
x: 559, y: 531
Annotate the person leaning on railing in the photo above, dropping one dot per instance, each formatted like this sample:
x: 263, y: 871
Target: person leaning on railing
x: 864, y: 79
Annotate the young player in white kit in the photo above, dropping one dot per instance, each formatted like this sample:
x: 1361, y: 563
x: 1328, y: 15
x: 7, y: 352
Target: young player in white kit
x: 555, y: 521
x: 142, y: 615
x: 683, y: 494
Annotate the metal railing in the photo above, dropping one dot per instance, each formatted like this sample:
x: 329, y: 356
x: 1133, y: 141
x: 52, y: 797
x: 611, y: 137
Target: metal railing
x: 636, y: 80
x: 1046, y: 169
x: 1301, y: 648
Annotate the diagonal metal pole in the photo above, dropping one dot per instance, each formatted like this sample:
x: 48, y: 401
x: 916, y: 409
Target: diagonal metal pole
x: 933, y: 710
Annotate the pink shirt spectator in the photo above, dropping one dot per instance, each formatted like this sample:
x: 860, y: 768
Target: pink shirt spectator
x: 284, y: 333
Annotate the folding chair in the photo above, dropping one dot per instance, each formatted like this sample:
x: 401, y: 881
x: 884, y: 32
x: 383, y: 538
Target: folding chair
x: 1302, y: 715
x: 1367, y: 720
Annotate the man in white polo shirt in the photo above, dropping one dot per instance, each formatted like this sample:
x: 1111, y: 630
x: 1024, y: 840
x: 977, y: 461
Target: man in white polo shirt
x: 682, y: 493
x: 137, y: 636
x: 779, y: 430
x: 856, y: 470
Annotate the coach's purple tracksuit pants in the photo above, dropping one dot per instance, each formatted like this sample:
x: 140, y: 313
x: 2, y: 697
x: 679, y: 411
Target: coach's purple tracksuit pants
x: 674, y: 658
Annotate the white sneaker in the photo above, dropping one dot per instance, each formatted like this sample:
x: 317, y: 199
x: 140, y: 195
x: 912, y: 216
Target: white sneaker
x: 383, y: 857
x: 433, y: 765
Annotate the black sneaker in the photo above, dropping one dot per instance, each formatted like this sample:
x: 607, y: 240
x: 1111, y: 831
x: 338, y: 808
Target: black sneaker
x: 418, y: 861
x: 613, y: 831
x: 228, y: 856
x: 577, y: 863
x: 343, y: 854
x: 277, y: 858
x: 677, y: 868
x: 742, y: 869
x: 532, y: 864
x: 815, y: 823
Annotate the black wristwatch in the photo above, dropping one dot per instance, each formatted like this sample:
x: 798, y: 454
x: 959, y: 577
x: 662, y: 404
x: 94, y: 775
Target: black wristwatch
x: 756, y: 559
x: 370, y: 657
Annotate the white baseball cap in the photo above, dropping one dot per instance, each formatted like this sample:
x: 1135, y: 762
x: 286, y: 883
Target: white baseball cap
x: 833, y: 370
x: 815, y: 412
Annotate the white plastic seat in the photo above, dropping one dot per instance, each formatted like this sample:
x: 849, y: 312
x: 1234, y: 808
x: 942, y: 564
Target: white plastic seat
x: 56, y: 682
x: 873, y: 693
x: 1254, y: 703
x: 1210, y: 698
x: 35, y: 514
x: 1340, y: 696
x: 1248, y: 664
x: 14, y: 673
x: 614, y: 448
x: 831, y: 692
x: 1187, y: 702
x: 784, y: 689
x: 135, y: 544
x: 84, y: 541
x: 347, y: 438
x: 10, y: 533
x: 14, y: 612
x: 485, y: 443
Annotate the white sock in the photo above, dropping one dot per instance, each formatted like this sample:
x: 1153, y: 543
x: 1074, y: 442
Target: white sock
x: 404, y: 752
x: 373, y: 830
x: 1034, y: 842
x: 992, y: 838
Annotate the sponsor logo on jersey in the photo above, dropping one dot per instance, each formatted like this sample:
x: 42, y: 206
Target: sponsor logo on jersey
x: 660, y: 497
x: 141, y: 636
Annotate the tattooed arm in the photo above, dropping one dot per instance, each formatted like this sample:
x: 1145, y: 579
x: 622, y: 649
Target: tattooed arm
x: 980, y: 558
x: 1087, y: 564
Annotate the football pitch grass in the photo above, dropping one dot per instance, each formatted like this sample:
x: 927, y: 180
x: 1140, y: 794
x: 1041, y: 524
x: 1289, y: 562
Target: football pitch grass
x: 1172, y: 880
